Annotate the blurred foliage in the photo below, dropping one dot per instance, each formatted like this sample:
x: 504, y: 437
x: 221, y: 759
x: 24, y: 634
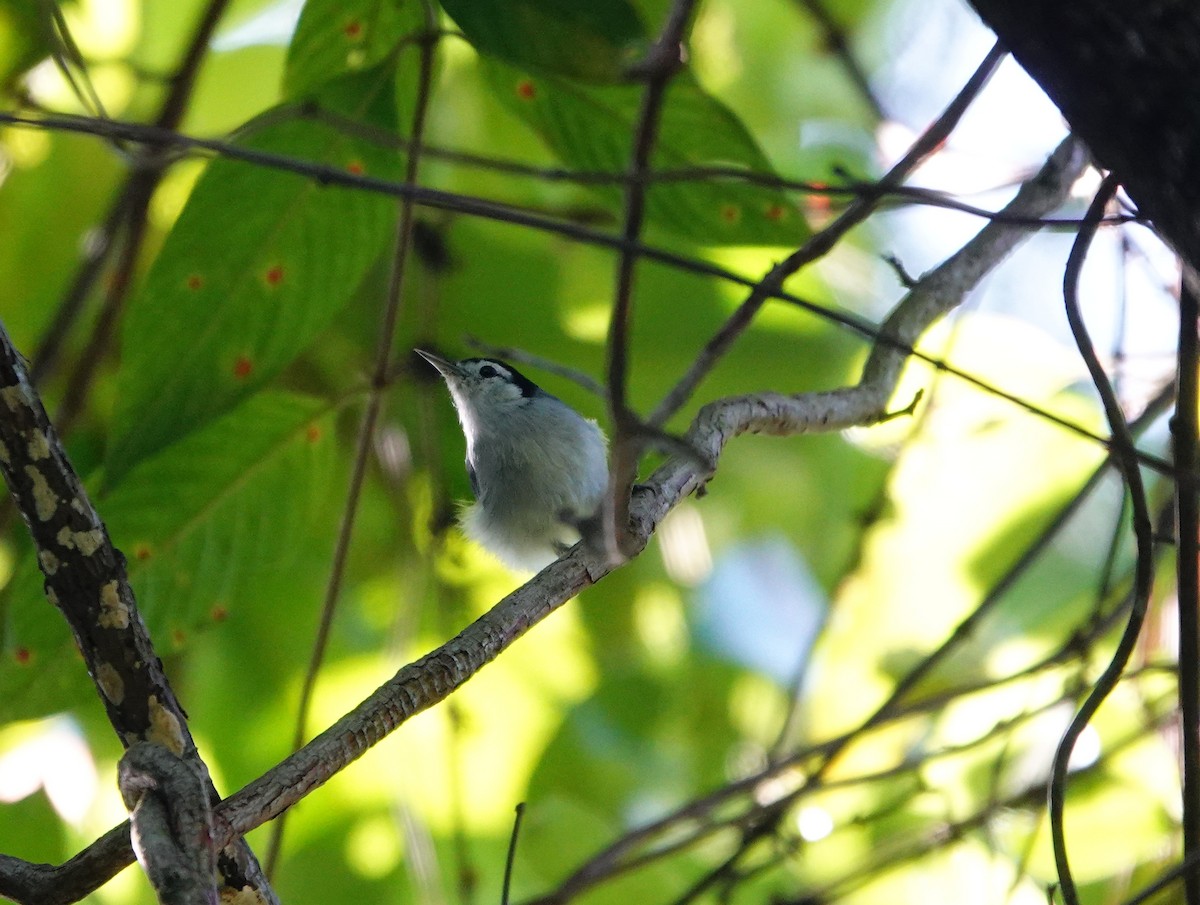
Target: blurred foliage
x: 774, y: 615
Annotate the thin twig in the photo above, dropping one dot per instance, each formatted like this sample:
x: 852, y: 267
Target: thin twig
x: 898, y: 195
x: 1187, y: 560
x: 366, y: 433
x: 67, y: 55
x: 821, y: 243
x: 1125, y: 459
x: 662, y: 62
x: 472, y: 206
x: 610, y: 860
x: 512, y: 853
x: 835, y: 39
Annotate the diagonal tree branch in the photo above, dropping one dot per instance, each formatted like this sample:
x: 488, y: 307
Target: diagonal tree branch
x: 431, y: 679
x: 824, y: 241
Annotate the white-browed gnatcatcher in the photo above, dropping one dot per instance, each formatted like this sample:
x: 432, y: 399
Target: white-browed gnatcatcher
x: 538, y: 468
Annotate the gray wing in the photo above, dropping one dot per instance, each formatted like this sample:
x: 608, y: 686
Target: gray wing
x: 474, y: 480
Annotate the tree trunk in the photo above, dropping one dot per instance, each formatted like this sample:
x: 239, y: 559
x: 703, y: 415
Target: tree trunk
x: 1126, y: 75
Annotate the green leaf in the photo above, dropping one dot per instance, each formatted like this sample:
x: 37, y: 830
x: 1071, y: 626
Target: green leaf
x: 55, y: 187
x: 594, y: 41
x: 24, y: 38
x: 257, y: 265
x: 220, y: 521
x: 590, y: 128
x: 335, y: 37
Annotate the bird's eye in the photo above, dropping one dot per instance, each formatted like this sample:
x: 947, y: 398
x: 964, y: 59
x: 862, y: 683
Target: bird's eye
x: 488, y: 371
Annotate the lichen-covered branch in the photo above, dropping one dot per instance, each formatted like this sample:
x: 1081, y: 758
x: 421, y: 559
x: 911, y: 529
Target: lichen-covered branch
x: 85, y: 579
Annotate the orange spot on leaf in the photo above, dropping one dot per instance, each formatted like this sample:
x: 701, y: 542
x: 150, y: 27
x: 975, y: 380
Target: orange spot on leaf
x: 274, y: 276
x: 818, y: 204
x: 195, y: 281
x: 526, y: 90
x: 312, y: 434
x: 23, y: 656
x: 731, y: 213
x: 242, y: 367
x: 178, y: 637
x: 353, y: 29
x: 142, y: 552
x: 219, y: 612
x: 776, y: 212
x: 355, y: 168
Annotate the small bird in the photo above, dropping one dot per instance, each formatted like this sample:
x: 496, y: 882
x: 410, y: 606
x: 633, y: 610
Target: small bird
x: 538, y: 468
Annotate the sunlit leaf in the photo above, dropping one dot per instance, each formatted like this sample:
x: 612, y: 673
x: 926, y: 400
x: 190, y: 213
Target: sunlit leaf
x: 213, y: 524
x: 590, y: 128
x: 335, y: 37
x: 257, y: 264
x: 594, y: 41
x: 54, y: 186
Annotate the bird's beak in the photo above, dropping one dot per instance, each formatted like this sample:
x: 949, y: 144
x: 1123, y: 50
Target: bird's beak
x: 445, y: 367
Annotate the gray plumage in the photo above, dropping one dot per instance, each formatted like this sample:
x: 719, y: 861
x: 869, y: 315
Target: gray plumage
x: 537, y: 467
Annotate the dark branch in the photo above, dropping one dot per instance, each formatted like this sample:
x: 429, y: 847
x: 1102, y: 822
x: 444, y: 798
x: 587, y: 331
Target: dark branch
x: 665, y: 58
x: 170, y: 824
x: 1129, y: 63
x: 1125, y: 459
x: 85, y: 579
x: 1184, y: 429
x: 824, y: 241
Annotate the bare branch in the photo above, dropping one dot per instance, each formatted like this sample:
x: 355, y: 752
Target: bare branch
x: 170, y: 824
x: 512, y: 853
x: 664, y: 59
x: 824, y: 241
x: 937, y: 293
x: 431, y: 679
